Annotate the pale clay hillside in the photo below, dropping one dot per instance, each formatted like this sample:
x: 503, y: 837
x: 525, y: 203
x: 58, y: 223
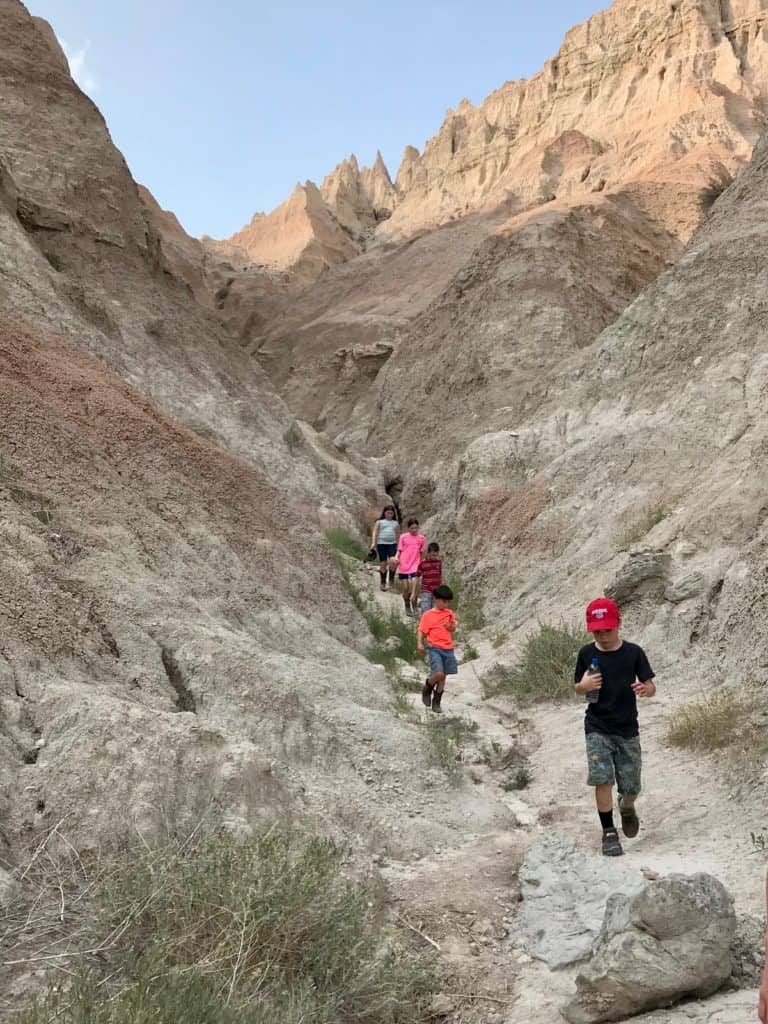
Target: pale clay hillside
x: 560, y: 304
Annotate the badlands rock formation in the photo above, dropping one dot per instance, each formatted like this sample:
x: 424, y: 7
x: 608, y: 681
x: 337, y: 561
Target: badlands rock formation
x: 164, y: 598
x: 655, y: 100
x: 529, y: 377
x: 605, y: 163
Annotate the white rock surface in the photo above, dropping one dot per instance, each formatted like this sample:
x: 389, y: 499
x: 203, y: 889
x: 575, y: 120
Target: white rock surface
x: 669, y: 941
x: 565, y: 893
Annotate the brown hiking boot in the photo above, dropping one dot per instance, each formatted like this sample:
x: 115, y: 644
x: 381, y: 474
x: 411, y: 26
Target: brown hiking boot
x: 630, y: 823
x: 426, y: 694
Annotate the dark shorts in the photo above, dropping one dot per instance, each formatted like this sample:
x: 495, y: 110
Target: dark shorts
x: 386, y: 551
x: 441, y: 660
x: 407, y: 575
x: 614, y: 759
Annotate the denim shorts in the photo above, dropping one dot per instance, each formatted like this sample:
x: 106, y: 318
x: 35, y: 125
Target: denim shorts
x: 614, y: 759
x: 426, y: 601
x: 386, y: 551
x: 441, y: 660
x: 407, y: 575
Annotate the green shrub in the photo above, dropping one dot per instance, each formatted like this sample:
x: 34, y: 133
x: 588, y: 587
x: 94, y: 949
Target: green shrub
x: 640, y: 526
x: 293, y: 436
x: 393, y: 638
x: 344, y: 543
x: 499, y: 639
x: 219, y: 931
x: 447, y: 734
x: 519, y: 779
x: 545, y: 669
x: 717, y: 720
x: 471, y: 653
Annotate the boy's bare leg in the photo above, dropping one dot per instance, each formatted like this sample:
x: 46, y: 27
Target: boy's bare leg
x: 437, y: 679
x: 604, y: 797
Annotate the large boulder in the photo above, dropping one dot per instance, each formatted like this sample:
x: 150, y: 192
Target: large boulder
x: 670, y: 940
x: 565, y: 893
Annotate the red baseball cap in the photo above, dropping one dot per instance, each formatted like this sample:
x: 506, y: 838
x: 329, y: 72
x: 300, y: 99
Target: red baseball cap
x: 602, y: 613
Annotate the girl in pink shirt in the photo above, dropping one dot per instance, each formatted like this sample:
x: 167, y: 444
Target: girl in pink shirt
x: 410, y: 550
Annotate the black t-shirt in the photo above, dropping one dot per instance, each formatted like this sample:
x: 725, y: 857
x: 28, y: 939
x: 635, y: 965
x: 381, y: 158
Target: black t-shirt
x: 615, y: 713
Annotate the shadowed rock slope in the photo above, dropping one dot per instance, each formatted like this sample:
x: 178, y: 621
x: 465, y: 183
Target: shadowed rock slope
x: 175, y: 632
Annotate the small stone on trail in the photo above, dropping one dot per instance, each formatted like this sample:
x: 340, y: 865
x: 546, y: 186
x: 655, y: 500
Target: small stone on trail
x: 650, y: 874
x: 441, y: 1005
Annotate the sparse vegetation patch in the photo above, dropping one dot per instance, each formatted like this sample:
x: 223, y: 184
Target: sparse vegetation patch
x: 519, y: 778
x: 714, y: 722
x: 640, y: 526
x: 545, y: 669
x: 344, y: 543
x: 213, y: 930
x: 448, y: 734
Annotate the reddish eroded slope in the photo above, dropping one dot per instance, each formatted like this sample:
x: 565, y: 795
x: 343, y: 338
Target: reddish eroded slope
x: 143, y: 573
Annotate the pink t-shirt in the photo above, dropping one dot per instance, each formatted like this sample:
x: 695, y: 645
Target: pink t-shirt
x: 411, y: 547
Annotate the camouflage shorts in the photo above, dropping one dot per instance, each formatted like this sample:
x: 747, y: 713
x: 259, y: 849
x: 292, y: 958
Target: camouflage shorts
x: 614, y: 759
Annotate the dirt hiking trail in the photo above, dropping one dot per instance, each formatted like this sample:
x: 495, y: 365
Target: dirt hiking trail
x: 464, y: 897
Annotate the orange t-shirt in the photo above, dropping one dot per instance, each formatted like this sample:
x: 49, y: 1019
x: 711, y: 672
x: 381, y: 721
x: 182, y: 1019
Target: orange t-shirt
x: 433, y: 626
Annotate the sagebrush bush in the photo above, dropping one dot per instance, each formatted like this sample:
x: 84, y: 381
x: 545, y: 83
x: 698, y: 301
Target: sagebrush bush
x: 393, y: 638
x: 447, y: 736
x: 545, y: 668
x: 717, y: 720
x: 221, y: 931
x: 641, y: 525
x: 520, y: 778
x: 343, y: 542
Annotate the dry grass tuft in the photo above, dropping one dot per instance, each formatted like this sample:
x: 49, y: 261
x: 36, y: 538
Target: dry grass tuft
x: 214, y: 930
x: 714, y: 722
x: 641, y: 525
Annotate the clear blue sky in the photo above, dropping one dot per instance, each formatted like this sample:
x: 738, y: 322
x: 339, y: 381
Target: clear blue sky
x: 221, y: 107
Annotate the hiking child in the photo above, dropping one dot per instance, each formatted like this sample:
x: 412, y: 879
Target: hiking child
x: 612, y: 673
x: 409, y: 551
x: 386, y: 533
x: 431, y: 576
x: 437, y: 625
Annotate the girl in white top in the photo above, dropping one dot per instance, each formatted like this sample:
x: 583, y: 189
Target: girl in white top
x: 386, y: 534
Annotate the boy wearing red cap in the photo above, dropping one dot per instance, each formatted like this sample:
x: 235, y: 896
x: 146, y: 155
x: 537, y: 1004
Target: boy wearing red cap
x: 612, y: 673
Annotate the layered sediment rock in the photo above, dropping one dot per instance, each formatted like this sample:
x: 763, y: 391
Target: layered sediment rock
x: 663, y: 101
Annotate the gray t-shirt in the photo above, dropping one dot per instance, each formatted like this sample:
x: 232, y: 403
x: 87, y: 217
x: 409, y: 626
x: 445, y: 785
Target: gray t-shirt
x: 387, y: 531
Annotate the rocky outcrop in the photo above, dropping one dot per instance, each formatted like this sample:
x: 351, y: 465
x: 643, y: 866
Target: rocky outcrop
x: 565, y: 893
x: 666, y: 942
x: 303, y: 234
x: 318, y: 228
x: 661, y: 102
x: 645, y: 97
x: 141, y: 664
x: 359, y: 199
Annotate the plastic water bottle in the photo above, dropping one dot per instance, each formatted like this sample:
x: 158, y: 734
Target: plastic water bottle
x: 594, y: 695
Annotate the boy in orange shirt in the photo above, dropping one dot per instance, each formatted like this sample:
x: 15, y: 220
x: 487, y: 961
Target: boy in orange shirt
x: 437, y: 625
